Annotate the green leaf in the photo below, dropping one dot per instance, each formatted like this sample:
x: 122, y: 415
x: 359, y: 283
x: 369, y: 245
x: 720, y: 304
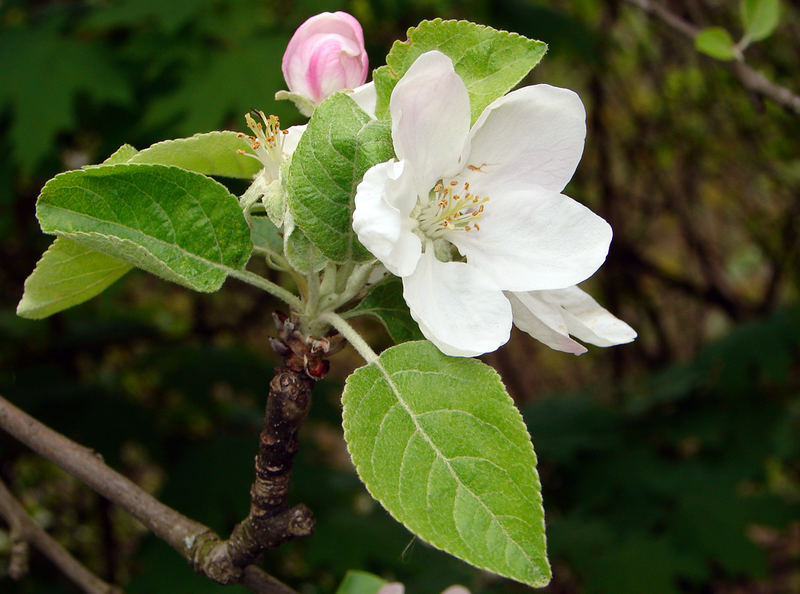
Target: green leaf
x: 360, y: 582
x: 179, y: 225
x: 715, y: 42
x: 212, y: 153
x: 439, y: 442
x: 299, y: 251
x: 385, y: 302
x: 760, y: 18
x: 66, y: 275
x: 264, y: 234
x: 339, y: 145
x: 489, y: 61
x: 121, y: 155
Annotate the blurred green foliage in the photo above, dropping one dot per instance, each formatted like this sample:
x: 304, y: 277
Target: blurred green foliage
x: 669, y: 465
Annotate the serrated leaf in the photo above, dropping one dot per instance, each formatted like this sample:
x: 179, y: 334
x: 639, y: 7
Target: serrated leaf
x: 439, y: 442
x: 66, y: 275
x: 490, y: 62
x: 360, y: 582
x: 760, y: 18
x: 339, y: 145
x: 211, y: 153
x: 121, y: 155
x: 385, y: 302
x: 176, y: 224
x: 715, y: 42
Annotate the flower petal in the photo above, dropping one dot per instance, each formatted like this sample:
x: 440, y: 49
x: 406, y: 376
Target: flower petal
x: 535, y: 239
x: 532, y: 136
x: 366, y: 97
x: 430, y: 119
x: 587, y: 320
x: 544, y: 321
x: 458, y: 308
x: 291, y: 138
x: 381, y: 217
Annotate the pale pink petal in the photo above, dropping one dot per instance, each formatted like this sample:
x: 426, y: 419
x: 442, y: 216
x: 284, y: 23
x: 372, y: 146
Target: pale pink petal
x: 381, y: 217
x: 458, y: 308
x: 535, y: 239
x: 393, y: 588
x: 456, y: 590
x: 366, y: 98
x: 291, y: 138
x: 587, y: 320
x: 430, y: 119
x: 533, y: 135
x: 543, y: 321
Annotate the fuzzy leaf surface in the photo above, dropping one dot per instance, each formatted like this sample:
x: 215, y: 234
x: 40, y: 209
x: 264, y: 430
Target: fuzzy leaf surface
x: 385, y: 302
x: 67, y: 274
x: 176, y: 224
x: 439, y: 442
x: 489, y: 61
x: 339, y: 145
x: 212, y: 153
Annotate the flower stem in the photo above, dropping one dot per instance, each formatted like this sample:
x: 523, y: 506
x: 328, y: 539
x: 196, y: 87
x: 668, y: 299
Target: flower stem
x: 353, y: 337
x: 265, y: 285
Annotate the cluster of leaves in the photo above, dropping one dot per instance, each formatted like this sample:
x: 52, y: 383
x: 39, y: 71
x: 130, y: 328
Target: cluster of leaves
x: 759, y: 20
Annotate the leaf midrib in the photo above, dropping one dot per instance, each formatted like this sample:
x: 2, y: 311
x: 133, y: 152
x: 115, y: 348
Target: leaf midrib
x: 388, y: 377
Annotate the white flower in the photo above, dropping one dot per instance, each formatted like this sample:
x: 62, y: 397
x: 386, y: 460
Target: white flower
x: 551, y: 316
x: 273, y: 147
x: 491, y: 192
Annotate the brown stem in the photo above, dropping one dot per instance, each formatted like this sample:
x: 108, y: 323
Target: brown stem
x: 748, y: 76
x: 190, y: 538
x: 18, y: 520
x: 270, y: 521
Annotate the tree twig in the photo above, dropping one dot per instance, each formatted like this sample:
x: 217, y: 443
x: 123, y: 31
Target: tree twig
x: 20, y: 521
x: 270, y: 521
x: 753, y: 80
x: 190, y: 538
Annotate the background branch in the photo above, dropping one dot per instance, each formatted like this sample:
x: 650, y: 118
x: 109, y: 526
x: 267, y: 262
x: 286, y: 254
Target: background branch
x: 188, y: 537
x: 753, y: 80
x: 19, y: 521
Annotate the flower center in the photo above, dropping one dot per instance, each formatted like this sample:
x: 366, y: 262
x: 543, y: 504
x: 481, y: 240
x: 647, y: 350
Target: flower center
x: 267, y: 141
x: 452, y: 207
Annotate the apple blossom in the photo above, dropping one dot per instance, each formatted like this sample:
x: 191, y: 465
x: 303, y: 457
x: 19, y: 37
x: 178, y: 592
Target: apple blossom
x: 464, y: 214
x: 326, y: 54
x: 551, y: 316
x: 398, y: 588
x: 272, y: 147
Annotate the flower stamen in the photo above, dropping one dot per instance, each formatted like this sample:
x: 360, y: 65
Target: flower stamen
x: 451, y: 210
x: 266, y: 141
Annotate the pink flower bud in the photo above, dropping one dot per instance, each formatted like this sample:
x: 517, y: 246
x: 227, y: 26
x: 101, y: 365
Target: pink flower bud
x: 326, y: 54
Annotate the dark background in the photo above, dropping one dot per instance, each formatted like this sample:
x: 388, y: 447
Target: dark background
x: 668, y: 465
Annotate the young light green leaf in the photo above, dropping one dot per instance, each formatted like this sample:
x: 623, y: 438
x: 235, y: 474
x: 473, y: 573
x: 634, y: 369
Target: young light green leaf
x: 385, y: 302
x: 66, y: 275
x: 489, y: 61
x: 121, y: 155
x: 212, y: 153
x: 360, y: 582
x: 760, y: 18
x: 715, y: 42
x: 439, y: 442
x: 339, y: 145
x: 179, y: 225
